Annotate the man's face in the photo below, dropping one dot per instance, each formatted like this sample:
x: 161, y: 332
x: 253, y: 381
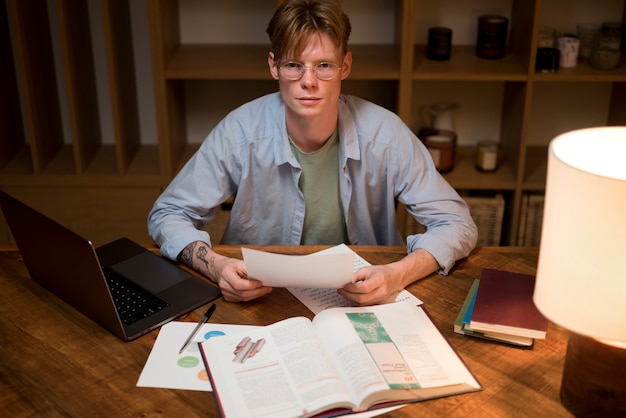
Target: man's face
x: 309, y: 96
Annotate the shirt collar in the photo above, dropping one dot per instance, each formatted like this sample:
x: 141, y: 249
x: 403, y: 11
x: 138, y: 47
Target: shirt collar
x: 348, y: 136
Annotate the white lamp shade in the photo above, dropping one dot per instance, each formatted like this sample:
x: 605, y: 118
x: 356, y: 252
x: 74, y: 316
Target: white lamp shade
x: 581, y: 274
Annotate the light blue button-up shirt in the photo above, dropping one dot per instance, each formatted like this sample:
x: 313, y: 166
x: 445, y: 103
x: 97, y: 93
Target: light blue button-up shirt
x: 247, y: 155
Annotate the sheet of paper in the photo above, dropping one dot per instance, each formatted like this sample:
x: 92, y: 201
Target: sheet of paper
x: 317, y: 299
x: 166, y: 369
x: 326, y: 270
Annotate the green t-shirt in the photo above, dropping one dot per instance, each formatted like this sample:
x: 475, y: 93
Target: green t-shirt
x: 319, y: 182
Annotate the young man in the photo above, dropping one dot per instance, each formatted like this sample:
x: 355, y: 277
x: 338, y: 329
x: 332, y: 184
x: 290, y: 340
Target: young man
x: 309, y: 165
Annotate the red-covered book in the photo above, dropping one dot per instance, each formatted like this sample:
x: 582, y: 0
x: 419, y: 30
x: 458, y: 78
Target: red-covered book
x: 504, y: 304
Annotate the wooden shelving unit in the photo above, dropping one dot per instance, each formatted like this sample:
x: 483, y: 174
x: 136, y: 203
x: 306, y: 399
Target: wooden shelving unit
x: 99, y: 190
x: 400, y: 65
x: 122, y: 180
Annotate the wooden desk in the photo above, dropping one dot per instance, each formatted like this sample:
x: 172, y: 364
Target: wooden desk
x: 56, y: 362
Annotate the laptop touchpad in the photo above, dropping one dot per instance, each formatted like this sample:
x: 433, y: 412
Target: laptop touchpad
x: 151, y: 272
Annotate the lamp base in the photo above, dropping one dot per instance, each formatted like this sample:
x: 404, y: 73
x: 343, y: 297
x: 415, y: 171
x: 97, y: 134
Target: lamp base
x: 594, y: 378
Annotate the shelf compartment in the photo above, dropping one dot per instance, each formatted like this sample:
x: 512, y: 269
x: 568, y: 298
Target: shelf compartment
x: 465, y: 176
x: 381, y: 92
x: 82, y: 152
x: 80, y: 79
x: 122, y: 82
x: 488, y: 110
x: 13, y: 137
x: 219, y: 62
x: 584, y: 72
x: 144, y: 164
x: 38, y: 86
x: 464, y: 65
x: 617, y: 106
x: 536, y: 168
x: 487, y: 210
x: 102, y: 171
x: 249, y: 62
x: 375, y: 62
x: 531, y: 217
x: 19, y: 164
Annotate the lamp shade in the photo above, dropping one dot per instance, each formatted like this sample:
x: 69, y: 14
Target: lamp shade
x: 581, y: 273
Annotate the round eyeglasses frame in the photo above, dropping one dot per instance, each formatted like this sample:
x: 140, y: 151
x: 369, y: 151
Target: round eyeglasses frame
x: 292, y: 66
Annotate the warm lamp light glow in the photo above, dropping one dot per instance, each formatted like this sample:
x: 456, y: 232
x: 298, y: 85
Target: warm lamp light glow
x: 581, y: 274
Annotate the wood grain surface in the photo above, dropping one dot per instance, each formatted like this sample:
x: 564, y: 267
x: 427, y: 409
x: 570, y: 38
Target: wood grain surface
x: 56, y: 362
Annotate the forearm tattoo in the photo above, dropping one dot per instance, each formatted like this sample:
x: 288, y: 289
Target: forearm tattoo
x: 186, y: 255
x: 201, y: 254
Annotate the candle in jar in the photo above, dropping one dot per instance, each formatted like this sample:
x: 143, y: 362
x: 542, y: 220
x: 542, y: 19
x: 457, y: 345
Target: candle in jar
x: 487, y: 155
x: 442, y: 149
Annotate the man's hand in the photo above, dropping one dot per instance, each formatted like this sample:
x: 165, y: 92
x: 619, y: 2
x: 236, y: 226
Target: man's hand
x: 381, y: 283
x: 229, y: 273
x: 372, y: 285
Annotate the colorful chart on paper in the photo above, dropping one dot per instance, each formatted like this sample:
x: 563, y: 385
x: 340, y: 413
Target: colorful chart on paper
x: 166, y: 369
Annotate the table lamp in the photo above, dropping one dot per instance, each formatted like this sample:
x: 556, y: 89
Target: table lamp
x: 581, y: 273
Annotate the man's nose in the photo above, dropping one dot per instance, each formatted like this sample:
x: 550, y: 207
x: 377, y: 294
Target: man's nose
x: 308, y: 75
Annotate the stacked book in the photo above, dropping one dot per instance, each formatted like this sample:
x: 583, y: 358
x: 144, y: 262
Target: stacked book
x: 500, y: 307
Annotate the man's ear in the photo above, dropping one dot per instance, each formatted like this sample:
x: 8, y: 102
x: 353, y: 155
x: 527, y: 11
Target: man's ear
x: 273, y: 65
x: 346, y: 66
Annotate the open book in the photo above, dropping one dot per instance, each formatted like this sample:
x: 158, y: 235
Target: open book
x: 347, y: 359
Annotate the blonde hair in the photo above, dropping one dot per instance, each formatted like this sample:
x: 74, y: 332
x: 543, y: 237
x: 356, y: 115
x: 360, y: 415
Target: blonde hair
x: 294, y: 21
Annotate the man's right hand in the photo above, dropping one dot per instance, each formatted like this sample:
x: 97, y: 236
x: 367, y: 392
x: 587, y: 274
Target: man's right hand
x: 229, y: 273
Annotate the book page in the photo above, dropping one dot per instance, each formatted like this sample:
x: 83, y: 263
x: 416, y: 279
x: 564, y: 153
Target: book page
x: 391, y: 346
x: 281, y: 369
x: 383, y: 351
x: 165, y: 368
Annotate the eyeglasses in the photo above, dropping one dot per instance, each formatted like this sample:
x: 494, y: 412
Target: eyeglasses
x: 294, y: 70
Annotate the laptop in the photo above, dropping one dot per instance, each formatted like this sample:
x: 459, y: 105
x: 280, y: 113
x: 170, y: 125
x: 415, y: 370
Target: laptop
x: 103, y: 283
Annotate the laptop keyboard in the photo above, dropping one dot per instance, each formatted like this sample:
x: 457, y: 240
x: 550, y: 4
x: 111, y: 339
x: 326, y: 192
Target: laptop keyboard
x: 132, y: 302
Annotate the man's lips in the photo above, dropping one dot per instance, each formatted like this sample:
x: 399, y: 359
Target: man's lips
x: 309, y: 100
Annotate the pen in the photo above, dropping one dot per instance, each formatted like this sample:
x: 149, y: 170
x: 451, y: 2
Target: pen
x: 204, y: 319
